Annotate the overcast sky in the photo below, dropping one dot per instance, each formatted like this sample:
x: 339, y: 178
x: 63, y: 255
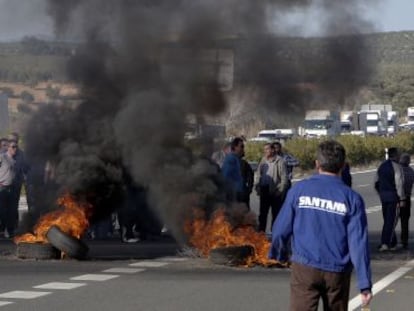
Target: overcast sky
x: 19, y: 18
x: 394, y: 15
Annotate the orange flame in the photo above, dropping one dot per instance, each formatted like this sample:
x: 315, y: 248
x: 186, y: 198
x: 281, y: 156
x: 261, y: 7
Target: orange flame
x: 72, y: 219
x: 218, y: 232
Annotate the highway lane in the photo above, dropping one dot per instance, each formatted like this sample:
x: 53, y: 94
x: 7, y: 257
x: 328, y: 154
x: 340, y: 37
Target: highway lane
x: 192, y: 284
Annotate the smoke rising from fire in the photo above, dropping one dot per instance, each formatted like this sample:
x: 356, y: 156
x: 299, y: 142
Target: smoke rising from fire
x: 144, y: 66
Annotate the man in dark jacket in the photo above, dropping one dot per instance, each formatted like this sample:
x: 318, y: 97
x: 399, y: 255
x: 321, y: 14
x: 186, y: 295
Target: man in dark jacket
x: 405, y: 210
x: 248, y: 181
x: 327, y: 225
x: 346, y: 175
x: 390, y: 187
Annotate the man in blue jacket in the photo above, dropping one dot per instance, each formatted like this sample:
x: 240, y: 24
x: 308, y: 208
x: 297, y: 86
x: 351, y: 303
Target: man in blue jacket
x: 326, y: 223
x: 231, y: 170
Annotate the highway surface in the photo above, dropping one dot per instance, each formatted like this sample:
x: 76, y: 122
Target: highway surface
x: 153, y: 276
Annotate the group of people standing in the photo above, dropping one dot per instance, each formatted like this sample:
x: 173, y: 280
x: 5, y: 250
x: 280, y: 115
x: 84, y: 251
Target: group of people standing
x: 322, y: 226
x: 13, y: 171
x: 274, y: 175
x: 394, y: 182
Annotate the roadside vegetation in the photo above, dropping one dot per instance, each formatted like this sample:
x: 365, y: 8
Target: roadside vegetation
x: 361, y: 151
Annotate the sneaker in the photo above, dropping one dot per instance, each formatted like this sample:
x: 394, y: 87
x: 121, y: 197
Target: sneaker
x: 395, y: 247
x: 383, y: 248
x: 402, y: 246
x: 130, y: 240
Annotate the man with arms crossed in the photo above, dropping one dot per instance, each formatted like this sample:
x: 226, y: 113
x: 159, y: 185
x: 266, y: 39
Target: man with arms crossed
x: 327, y: 225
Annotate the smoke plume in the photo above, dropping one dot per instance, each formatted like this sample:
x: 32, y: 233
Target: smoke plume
x: 145, y: 66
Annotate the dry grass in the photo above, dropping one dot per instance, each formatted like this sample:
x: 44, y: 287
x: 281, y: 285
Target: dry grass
x: 38, y: 92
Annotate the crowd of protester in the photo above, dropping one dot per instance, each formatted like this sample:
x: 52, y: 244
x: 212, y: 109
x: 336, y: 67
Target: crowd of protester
x: 132, y: 221
x: 273, y: 178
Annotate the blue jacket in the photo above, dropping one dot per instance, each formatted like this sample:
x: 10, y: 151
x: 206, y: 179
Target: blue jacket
x: 231, y: 171
x: 328, y: 225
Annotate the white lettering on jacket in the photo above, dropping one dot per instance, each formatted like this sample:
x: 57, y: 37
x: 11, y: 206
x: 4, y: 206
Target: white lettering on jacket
x: 322, y: 205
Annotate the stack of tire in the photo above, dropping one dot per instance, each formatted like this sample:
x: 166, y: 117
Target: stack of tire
x: 59, y: 242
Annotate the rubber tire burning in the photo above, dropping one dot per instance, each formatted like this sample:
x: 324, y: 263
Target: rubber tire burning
x: 231, y: 255
x: 26, y: 250
x: 69, y: 245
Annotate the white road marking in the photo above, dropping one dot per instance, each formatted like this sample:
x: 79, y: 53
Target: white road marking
x: 23, y: 294
x: 149, y: 264
x: 123, y: 270
x: 362, y: 186
x: 383, y: 283
x: 5, y: 303
x: 373, y: 209
x: 363, y: 172
x: 94, y: 277
x: 173, y: 259
x: 59, y: 285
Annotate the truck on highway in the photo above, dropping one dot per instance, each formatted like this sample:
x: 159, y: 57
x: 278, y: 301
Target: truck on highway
x: 274, y: 135
x: 410, y: 115
x: 319, y: 123
x: 346, y: 121
x: 373, y: 119
x: 392, y: 123
x: 372, y: 122
x: 410, y: 120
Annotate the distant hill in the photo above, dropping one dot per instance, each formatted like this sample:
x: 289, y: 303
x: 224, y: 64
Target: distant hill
x: 391, y: 55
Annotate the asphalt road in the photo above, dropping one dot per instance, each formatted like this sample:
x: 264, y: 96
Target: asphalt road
x: 153, y: 276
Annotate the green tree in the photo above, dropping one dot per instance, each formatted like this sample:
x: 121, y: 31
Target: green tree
x: 27, y: 97
x: 52, y: 92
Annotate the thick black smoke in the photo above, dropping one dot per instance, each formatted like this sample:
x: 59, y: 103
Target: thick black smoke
x: 144, y: 66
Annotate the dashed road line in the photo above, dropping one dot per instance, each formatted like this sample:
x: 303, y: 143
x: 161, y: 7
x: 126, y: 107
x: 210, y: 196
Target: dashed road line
x: 363, y: 186
x: 149, y: 264
x: 373, y: 209
x: 123, y: 270
x: 94, y: 277
x: 23, y: 294
x: 59, y: 285
x: 173, y: 259
x: 383, y: 283
x: 87, y: 277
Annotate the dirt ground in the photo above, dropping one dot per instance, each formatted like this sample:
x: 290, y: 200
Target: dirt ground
x: 38, y: 92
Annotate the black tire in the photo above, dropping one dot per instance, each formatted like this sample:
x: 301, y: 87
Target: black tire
x: 25, y: 250
x: 71, y: 246
x: 231, y: 255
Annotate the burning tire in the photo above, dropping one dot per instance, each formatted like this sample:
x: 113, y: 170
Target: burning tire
x: 25, y: 250
x: 231, y: 255
x: 71, y: 246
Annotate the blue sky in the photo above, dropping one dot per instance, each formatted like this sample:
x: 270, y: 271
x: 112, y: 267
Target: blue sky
x: 27, y: 17
x: 395, y: 15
